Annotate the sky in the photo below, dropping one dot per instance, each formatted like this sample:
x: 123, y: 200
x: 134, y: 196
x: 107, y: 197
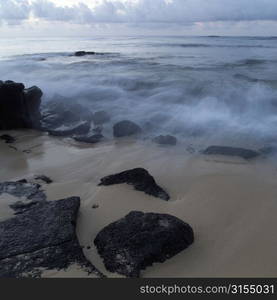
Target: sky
x: 137, y: 17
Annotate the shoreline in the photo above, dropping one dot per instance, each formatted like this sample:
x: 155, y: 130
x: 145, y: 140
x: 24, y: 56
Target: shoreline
x: 229, y: 202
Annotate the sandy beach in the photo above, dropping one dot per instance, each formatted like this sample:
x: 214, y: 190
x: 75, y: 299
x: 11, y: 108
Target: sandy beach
x: 229, y: 202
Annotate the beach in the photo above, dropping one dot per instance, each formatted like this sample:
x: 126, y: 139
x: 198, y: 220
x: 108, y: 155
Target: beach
x: 229, y: 202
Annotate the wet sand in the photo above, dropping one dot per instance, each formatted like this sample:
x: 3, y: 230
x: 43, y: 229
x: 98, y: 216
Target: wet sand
x: 230, y: 203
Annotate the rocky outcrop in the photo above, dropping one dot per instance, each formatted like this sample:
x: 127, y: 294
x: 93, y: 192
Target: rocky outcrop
x: 140, y: 179
x: 126, y: 128
x: 140, y: 239
x: 19, y: 107
x: 41, y: 236
x: 65, y: 118
x: 231, y: 151
x: 165, y: 140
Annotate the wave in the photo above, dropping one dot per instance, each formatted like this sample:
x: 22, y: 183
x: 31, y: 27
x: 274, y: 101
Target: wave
x: 216, y: 46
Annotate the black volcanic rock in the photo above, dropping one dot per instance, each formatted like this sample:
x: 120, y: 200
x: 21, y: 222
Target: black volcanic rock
x: 19, y: 107
x: 165, y: 140
x: 65, y: 118
x: 125, y: 128
x: 7, y: 138
x: 230, y: 151
x: 42, y: 237
x: 140, y: 179
x: 84, y: 53
x: 140, y: 239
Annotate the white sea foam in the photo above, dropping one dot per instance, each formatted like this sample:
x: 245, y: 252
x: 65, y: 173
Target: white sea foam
x: 227, y: 88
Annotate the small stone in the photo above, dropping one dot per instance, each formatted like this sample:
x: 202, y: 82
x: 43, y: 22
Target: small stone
x: 140, y: 179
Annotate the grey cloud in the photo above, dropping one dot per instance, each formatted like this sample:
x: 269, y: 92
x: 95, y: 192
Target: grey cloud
x: 144, y: 11
x: 14, y: 11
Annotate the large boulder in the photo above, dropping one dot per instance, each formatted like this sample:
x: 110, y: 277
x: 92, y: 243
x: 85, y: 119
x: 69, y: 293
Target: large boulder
x: 231, y: 151
x: 140, y: 179
x: 126, y: 128
x: 65, y: 118
x: 19, y: 107
x: 140, y: 239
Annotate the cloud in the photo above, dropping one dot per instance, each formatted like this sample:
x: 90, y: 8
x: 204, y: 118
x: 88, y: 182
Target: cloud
x: 140, y: 11
x: 14, y: 11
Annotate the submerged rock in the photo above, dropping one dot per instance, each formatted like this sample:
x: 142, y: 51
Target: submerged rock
x: 126, y: 128
x: 140, y: 239
x: 91, y: 139
x: 100, y: 117
x: 140, y: 179
x: 165, y: 140
x: 19, y: 107
x: 7, y: 138
x: 230, y: 151
x: 65, y: 118
x: 84, y: 53
x: 42, y: 237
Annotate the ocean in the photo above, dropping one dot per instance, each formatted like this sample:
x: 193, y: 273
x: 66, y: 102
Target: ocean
x: 224, y: 87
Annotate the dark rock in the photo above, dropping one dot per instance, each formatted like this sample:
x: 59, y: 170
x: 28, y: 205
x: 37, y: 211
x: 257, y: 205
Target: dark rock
x: 65, y: 118
x: 100, y: 117
x: 84, y: 53
x: 44, y: 179
x: 56, y: 257
x: 7, y: 138
x: 19, y: 108
x: 230, y: 151
x: 125, y: 128
x: 141, y: 239
x: 33, y: 96
x: 165, y: 140
x: 41, y: 237
x: 140, y: 179
x: 93, y: 139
